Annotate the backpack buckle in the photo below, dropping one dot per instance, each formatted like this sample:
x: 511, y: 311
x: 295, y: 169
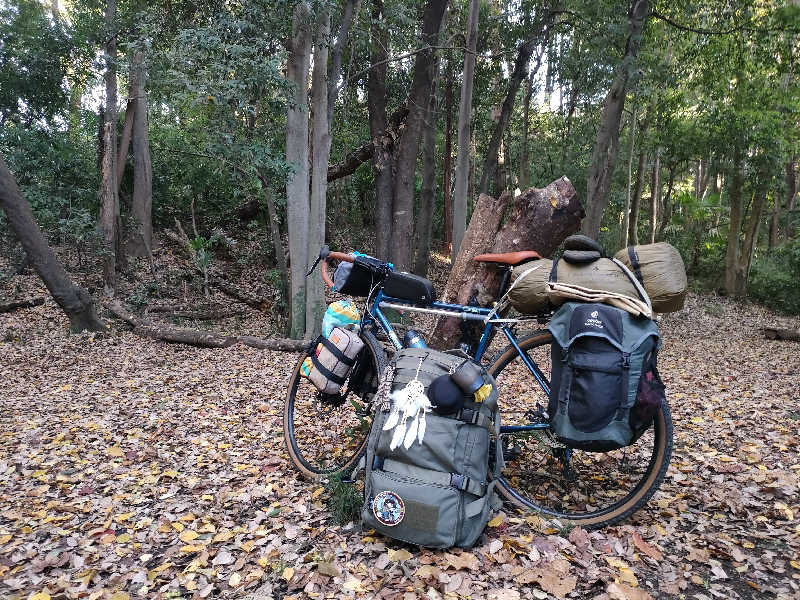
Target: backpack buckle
x: 458, y: 481
x: 626, y: 360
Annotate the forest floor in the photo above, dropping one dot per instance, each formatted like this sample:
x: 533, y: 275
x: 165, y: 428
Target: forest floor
x: 130, y: 468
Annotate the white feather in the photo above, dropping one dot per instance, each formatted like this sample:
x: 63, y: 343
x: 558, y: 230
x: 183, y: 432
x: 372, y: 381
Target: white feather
x: 399, y: 434
x: 421, y: 427
x: 411, y: 433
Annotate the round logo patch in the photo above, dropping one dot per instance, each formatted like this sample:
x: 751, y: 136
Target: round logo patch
x: 388, y: 508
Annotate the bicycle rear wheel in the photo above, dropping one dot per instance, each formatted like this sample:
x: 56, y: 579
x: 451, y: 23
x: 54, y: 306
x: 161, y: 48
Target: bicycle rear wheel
x: 589, y: 489
x: 324, y: 434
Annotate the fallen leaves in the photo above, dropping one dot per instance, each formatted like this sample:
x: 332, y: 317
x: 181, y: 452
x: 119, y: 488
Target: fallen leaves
x: 151, y: 480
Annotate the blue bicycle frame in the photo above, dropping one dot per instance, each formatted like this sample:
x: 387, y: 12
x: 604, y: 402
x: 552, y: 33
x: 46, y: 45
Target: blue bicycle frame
x: 465, y: 313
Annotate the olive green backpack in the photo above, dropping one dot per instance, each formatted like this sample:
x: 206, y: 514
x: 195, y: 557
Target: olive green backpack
x: 437, y: 492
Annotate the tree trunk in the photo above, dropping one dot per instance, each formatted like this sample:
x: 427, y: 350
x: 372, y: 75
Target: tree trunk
x: 125, y: 138
x: 540, y: 219
x: 108, y: 191
x: 349, y: 14
x: 751, y: 236
x: 636, y: 201
x: 74, y: 300
x: 424, y: 227
x: 627, y: 208
x: 655, y: 196
x: 275, y: 233
x: 321, y: 144
x: 520, y: 68
x: 447, y: 175
x: 464, y: 132
x: 524, y: 167
x: 666, y: 212
x: 382, y: 139
x: 408, y: 149
x: 297, y: 209
x: 142, y: 239
x: 606, y: 147
x: 791, y: 196
x: 733, y: 275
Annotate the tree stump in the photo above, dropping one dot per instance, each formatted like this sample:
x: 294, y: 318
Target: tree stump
x: 539, y: 219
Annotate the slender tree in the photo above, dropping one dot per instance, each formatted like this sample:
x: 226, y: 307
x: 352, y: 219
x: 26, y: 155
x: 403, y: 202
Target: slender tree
x: 408, y: 148
x: 297, y: 185
x: 74, y: 300
x: 142, y: 208
x: 606, y: 147
x: 465, y: 131
x: 109, y: 198
x: 315, y: 294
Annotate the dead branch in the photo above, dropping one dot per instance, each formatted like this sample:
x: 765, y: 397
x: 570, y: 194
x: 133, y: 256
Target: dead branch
x: 792, y: 335
x: 12, y: 306
x: 203, y: 339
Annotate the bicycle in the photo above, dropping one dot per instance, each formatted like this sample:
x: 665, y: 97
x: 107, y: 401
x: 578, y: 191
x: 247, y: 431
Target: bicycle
x: 326, y: 434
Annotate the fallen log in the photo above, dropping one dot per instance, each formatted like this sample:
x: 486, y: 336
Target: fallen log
x: 12, y: 306
x: 202, y: 339
x: 792, y: 335
x: 539, y: 219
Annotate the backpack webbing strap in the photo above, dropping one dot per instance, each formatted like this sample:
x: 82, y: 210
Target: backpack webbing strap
x: 336, y: 352
x: 327, y: 372
x: 639, y: 289
x: 474, y: 417
x: 454, y: 480
x: 637, y: 267
x: 554, y: 271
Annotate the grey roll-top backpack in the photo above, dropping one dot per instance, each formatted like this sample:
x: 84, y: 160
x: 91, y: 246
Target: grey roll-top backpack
x: 605, y: 389
x: 436, y: 492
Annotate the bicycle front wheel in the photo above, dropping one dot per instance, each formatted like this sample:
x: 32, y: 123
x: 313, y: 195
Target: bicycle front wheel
x: 590, y: 489
x: 328, y: 434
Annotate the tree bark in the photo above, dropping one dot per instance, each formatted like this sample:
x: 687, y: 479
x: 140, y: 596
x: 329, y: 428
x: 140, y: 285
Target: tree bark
x: 383, y: 138
x: 751, y: 236
x: 604, y: 157
x: 655, y: 196
x: 464, y: 132
x: 627, y: 208
x: 202, y: 339
x: 321, y: 144
x: 142, y: 239
x: 297, y: 185
x: 540, y: 220
x: 447, y: 174
x: 408, y: 149
x: 108, y: 192
x: 74, y: 300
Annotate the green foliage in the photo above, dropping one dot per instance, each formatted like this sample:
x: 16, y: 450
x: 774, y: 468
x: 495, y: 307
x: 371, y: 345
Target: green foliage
x: 774, y: 278
x: 34, y: 54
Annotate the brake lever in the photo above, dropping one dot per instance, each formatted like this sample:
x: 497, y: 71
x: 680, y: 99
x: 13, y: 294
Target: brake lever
x: 324, y: 252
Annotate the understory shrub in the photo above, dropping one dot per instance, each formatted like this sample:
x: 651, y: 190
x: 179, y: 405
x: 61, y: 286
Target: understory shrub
x: 775, y: 278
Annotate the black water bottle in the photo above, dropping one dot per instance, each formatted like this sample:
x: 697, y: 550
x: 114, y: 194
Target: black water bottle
x: 412, y: 339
